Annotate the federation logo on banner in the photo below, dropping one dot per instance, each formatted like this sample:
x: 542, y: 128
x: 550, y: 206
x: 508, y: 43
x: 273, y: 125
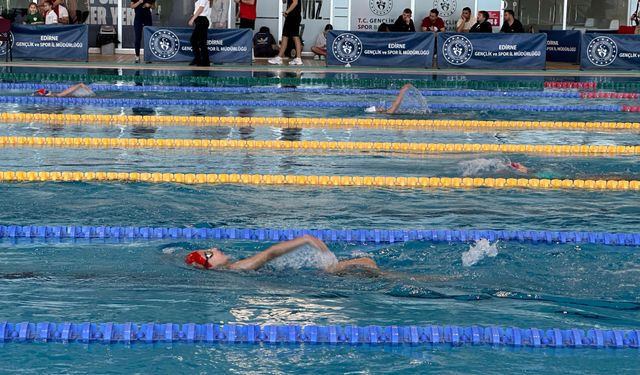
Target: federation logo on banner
x: 164, y: 44
x: 602, y: 51
x: 457, y: 50
x: 3, y: 44
x: 347, y: 48
x: 445, y: 7
x: 381, y: 7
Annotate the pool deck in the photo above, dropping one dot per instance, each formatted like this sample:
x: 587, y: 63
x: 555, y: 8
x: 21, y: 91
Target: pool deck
x: 126, y: 61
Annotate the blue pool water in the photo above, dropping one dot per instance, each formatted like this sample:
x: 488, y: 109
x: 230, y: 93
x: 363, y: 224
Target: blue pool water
x: 525, y: 285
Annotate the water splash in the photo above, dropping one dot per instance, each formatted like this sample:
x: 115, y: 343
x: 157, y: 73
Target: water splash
x: 477, y: 166
x: 304, y: 257
x: 481, y: 249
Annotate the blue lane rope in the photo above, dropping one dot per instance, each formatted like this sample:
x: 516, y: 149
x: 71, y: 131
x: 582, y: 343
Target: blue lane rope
x: 310, y: 90
x: 328, y: 235
x: 127, y: 102
x: 127, y: 333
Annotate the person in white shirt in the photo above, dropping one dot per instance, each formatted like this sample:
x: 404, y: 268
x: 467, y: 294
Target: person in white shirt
x: 201, y: 14
x: 466, y: 21
x: 50, y: 18
x: 63, y: 15
x: 320, y: 48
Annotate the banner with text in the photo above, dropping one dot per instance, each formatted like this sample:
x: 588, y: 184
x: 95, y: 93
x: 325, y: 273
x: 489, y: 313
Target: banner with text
x: 610, y: 51
x: 563, y: 46
x: 380, y: 49
x: 496, y: 51
x: 173, y: 44
x: 367, y: 15
x: 49, y: 42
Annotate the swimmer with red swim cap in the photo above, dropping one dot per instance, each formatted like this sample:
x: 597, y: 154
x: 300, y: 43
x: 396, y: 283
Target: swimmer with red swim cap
x: 79, y: 91
x: 519, y: 167
x: 215, y: 259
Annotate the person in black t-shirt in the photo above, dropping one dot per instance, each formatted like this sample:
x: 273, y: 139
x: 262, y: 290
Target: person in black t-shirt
x: 511, y: 24
x: 483, y: 25
x: 291, y: 29
x: 142, y: 9
x: 264, y: 44
x: 404, y: 22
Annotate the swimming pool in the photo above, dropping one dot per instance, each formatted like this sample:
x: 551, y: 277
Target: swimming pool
x: 527, y: 284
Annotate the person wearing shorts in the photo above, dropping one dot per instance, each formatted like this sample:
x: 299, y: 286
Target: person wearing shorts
x: 291, y: 29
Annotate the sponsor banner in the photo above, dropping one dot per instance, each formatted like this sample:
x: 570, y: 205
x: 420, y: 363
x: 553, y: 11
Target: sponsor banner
x: 610, y: 51
x: 367, y: 15
x: 562, y: 45
x: 49, y: 42
x: 450, y: 11
x: 496, y: 51
x: 173, y: 44
x: 380, y: 49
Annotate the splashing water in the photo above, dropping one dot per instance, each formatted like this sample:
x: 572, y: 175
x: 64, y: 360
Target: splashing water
x: 414, y: 103
x: 304, y: 257
x: 481, y: 249
x: 476, y: 166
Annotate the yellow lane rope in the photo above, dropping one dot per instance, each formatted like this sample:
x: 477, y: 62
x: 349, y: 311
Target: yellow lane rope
x: 307, y: 122
x: 315, y: 145
x: 379, y: 181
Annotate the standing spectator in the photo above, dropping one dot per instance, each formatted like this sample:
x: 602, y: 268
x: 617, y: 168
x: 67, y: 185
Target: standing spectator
x: 466, y: 21
x: 142, y: 9
x: 320, y: 48
x: 247, y: 13
x: 511, y: 24
x: 70, y: 9
x: 433, y: 22
x: 199, y: 37
x: 50, y: 17
x: 404, y: 23
x: 483, y: 25
x: 62, y: 12
x: 264, y: 44
x: 33, y: 16
x: 291, y: 29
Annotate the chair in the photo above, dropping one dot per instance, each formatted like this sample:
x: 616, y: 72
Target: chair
x: 614, y: 25
x: 6, y: 38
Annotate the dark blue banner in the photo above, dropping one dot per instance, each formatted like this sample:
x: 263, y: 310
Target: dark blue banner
x: 380, y: 49
x: 50, y: 42
x: 563, y: 45
x: 495, y: 51
x: 172, y: 44
x: 610, y: 51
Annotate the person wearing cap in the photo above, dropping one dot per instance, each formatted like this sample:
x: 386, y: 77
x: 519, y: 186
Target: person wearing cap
x: 213, y: 258
x: 79, y: 90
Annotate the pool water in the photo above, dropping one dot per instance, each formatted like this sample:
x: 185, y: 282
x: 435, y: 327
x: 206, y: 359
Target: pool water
x: 524, y: 285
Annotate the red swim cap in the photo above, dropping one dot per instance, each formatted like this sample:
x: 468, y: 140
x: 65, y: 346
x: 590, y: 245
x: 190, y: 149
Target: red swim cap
x: 42, y: 92
x: 196, y: 257
x: 515, y: 165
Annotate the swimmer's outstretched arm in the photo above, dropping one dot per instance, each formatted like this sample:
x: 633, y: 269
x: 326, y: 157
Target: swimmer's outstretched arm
x: 74, y: 88
x: 257, y: 261
x: 396, y: 103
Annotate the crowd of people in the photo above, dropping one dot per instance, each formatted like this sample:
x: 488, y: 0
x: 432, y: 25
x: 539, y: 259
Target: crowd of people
x: 48, y: 12
x: 465, y: 24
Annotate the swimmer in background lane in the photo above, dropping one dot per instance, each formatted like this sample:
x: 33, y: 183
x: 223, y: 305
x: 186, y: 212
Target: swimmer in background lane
x: 396, y: 103
x: 216, y: 259
x: 79, y: 91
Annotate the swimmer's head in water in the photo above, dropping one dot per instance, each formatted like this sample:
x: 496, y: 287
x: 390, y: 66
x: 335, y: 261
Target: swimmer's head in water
x: 207, y: 259
x: 43, y: 92
x: 519, y: 167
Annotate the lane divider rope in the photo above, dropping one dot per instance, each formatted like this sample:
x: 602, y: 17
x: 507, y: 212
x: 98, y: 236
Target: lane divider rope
x: 335, y: 181
x: 316, y: 145
x: 307, y: 122
x: 127, y: 333
x: 128, y: 102
x: 327, y: 91
x: 327, y: 235
x: 341, y: 80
